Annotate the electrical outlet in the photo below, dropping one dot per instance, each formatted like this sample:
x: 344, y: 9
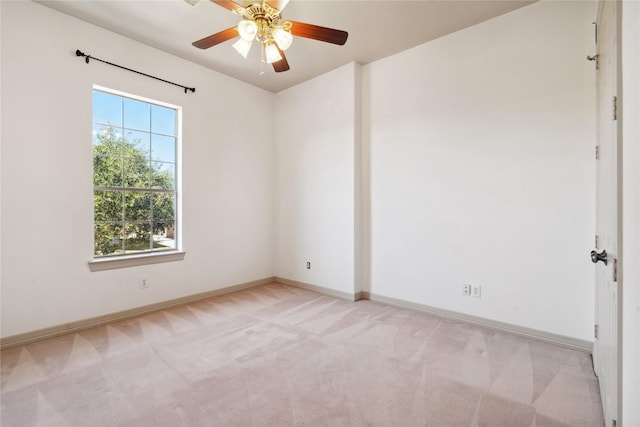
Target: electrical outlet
x: 475, y: 291
x: 308, y: 265
x: 466, y: 290
x: 144, y: 284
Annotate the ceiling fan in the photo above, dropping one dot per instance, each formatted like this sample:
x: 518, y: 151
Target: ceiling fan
x: 262, y: 22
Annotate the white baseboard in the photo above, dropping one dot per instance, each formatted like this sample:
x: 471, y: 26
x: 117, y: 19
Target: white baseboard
x: 561, y: 340
x: 50, y: 332
x: 80, y: 325
x: 321, y: 289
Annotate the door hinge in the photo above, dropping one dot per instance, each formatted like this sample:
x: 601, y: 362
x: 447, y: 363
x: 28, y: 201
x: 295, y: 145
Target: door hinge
x: 596, y: 241
x: 595, y: 331
x: 615, y: 108
x: 613, y: 423
x: 615, y: 269
x: 597, y: 152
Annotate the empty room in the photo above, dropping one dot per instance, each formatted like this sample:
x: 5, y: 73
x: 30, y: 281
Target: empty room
x: 322, y: 213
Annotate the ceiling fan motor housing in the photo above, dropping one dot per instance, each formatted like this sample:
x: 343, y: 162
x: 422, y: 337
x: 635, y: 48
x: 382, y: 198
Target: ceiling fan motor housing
x: 262, y: 14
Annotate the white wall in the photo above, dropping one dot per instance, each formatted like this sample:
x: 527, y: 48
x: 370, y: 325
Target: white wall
x: 630, y: 49
x: 47, y: 173
x: 482, y: 170
x: 477, y: 167
x: 315, y: 140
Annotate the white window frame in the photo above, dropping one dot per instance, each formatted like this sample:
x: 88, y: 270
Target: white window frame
x: 101, y: 263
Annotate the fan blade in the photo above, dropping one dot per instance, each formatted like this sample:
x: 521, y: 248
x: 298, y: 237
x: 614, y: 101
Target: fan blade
x: 282, y: 65
x: 316, y: 32
x: 216, y: 38
x: 278, y: 4
x: 227, y: 4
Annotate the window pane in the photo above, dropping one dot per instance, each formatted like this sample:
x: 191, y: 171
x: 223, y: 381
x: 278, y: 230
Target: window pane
x: 137, y: 237
x: 107, y: 206
x: 163, y: 148
x: 107, y: 140
x: 163, y: 175
x: 163, y: 120
x: 137, y: 206
x: 164, y: 235
x: 99, y: 134
x: 107, y: 108
x: 108, y: 238
x: 164, y: 207
x: 138, y: 143
x: 164, y: 210
x: 136, y: 172
x: 107, y: 171
x: 137, y: 114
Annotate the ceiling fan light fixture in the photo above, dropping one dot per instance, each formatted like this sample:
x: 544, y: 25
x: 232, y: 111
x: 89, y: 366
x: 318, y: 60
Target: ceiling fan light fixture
x: 272, y: 54
x: 243, y: 46
x: 283, y: 38
x: 247, y: 29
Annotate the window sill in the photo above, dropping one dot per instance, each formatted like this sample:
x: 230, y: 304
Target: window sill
x: 101, y: 264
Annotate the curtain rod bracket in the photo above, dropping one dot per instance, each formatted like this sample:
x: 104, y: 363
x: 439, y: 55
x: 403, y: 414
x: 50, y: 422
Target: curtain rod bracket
x: 88, y: 57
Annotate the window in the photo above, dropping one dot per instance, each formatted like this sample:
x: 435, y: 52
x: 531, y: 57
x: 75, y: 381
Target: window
x: 135, y: 175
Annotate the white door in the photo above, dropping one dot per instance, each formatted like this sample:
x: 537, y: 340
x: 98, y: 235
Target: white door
x: 606, y: 343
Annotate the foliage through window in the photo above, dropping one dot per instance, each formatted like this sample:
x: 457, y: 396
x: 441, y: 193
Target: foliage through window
x: 134, y: 175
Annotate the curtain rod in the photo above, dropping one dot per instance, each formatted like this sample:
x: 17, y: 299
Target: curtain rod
x: 88, y: 57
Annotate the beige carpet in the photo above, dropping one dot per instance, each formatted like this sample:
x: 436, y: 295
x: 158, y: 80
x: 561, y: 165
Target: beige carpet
x: 278, y: 356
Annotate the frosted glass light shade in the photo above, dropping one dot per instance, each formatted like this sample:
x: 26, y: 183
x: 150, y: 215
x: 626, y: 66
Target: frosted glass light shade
x: 242, y: 46
x: 247, y: 29
x: 282, y: 38
x: 272, y: 54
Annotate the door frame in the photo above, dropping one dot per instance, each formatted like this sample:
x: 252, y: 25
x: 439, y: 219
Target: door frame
x: 630, y: 270
x: 619, y: 211
x: 618, y: 411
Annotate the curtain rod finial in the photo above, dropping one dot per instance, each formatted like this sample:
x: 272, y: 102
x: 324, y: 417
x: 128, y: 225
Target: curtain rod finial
x: 79, y: 53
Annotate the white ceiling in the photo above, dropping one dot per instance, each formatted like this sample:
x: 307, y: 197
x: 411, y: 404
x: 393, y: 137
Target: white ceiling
x: 376, y: 29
